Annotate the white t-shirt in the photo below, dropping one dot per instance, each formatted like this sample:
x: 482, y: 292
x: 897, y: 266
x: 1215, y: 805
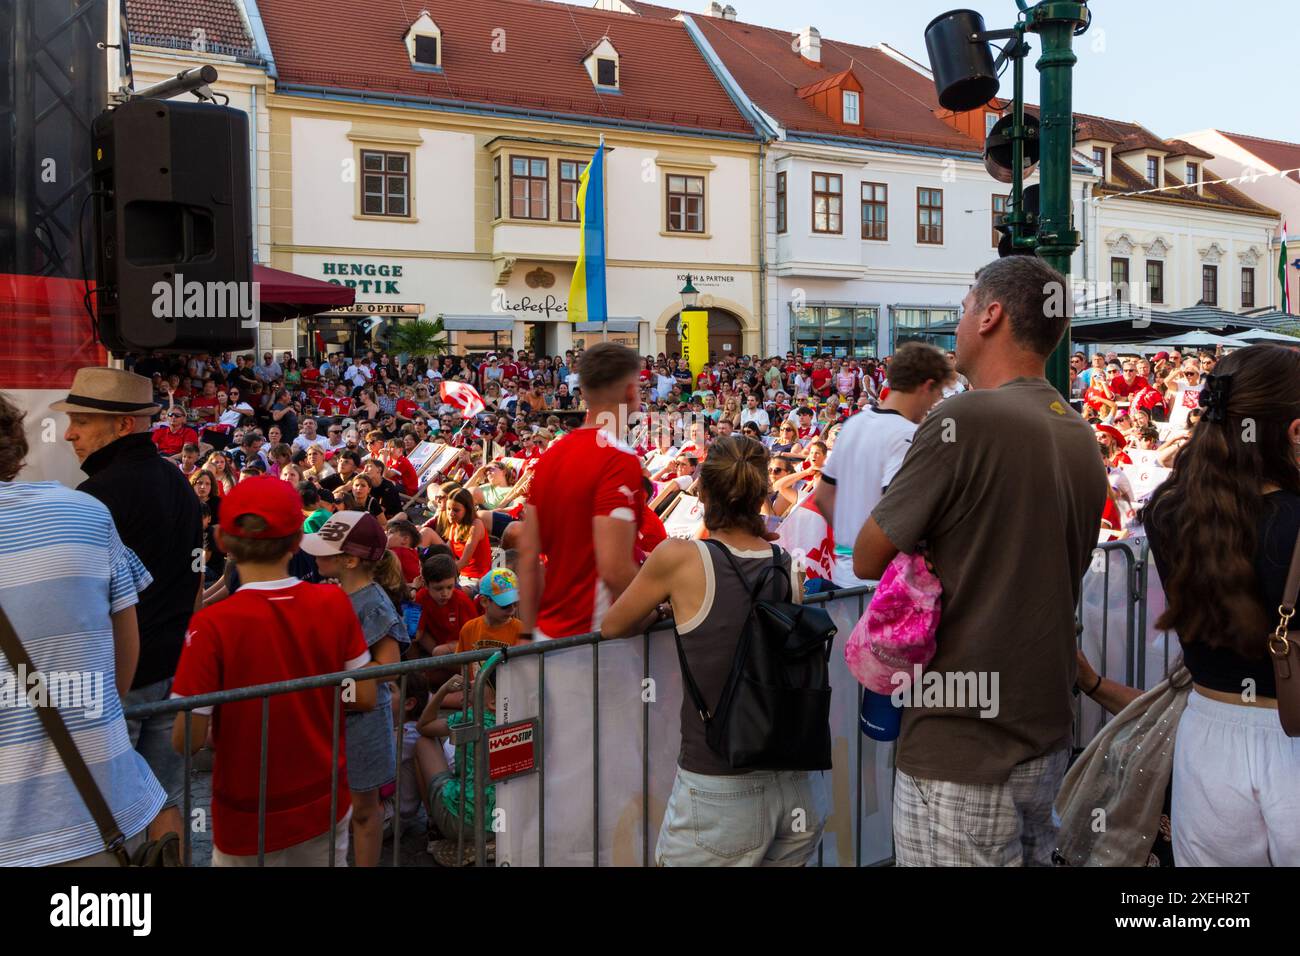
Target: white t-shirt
x: 302, y: 443
x: 868, y: 453
x: 756, y: 415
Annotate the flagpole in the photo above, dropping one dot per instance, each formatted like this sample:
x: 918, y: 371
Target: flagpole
x: 604, y: 243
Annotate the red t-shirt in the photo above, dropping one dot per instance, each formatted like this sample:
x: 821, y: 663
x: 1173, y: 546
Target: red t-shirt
x: 1148, y: 398
x: 1094, y: 396
x: 171, y: 443
x: 410, y: 480
x: 585, y: 475
x: 407, y: 407
x: 267, y: 632
x: 480, y: 561
x: 443, y: 621
x: 1119, y: 386
x: 311, y: 375
x: 650, y: 534
x: 821, y: 378
x: 202, y: 402
x: 409, y: 559
x: 329, y: 405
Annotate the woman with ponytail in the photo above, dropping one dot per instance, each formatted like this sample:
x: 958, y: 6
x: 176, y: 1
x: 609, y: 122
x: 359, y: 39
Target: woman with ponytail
x: 717, y: 816
x: 1222, y: 530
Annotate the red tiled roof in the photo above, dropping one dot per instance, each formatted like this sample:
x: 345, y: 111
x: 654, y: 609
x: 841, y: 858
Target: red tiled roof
x: 899, y: 104
x: 1181, y: 147
x: 651, y: 10
x: 222, y: 23
x: 1276, y: 153
x: 1125, y: 179
x: 358, y: 45
x: 830, y: 83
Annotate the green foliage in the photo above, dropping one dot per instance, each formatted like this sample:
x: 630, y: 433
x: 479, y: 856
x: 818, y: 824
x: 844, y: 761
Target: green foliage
x: 419, y: 339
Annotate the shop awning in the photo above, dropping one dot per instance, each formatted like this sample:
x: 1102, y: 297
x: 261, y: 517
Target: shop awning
x: 286, y: 295
x: 477, y: 323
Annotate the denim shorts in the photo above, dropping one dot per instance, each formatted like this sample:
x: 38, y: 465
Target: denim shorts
x: 763, y: 818
x: 152, y: 739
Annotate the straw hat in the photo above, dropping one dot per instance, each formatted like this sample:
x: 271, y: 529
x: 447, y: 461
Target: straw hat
x: 109, y: 391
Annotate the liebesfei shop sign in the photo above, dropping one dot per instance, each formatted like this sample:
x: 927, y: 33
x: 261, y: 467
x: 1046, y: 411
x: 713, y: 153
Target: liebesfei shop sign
x: 512, y: 749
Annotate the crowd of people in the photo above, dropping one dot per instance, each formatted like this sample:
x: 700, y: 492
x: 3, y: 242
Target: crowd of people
x: 380, y: 509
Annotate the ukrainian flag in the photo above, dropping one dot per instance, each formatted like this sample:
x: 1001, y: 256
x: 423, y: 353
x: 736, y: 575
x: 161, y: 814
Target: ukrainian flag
x: 587, y: 301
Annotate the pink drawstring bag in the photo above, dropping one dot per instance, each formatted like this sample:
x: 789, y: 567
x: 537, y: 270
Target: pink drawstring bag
x: 897, y: 631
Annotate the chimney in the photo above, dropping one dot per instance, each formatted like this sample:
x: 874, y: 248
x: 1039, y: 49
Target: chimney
x: 810, y: 44
x: 714, y: 9
x: 729, y: 13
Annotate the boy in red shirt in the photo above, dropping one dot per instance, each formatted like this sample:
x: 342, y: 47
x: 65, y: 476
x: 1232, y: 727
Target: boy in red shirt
x: 444, y: 608
x: 273, y: 628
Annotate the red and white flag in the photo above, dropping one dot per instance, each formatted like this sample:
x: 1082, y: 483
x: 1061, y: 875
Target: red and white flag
x: 463, y: 396
x: 805, y: 533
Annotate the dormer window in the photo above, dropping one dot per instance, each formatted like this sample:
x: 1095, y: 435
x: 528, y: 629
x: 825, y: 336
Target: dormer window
x: 1153, y: 170
x: 426, y: 50
x: 852, y: 108
x: 602, y: 65
x: 1193, y: 174
x: 1099, y: 157
x: 424, y: 43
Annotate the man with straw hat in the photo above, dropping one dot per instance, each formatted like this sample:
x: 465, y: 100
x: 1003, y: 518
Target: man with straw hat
x: 157, y: 516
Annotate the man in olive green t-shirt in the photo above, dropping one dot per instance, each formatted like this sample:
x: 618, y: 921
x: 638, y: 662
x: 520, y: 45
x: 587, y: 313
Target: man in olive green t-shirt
x: 1003, y: 487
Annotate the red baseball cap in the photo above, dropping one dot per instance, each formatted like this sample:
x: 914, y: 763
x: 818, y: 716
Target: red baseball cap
x: 1161, y: 357
x: 276, y: 502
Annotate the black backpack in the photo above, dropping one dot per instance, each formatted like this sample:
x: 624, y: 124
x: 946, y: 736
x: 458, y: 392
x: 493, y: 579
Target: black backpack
x: 774, y: 712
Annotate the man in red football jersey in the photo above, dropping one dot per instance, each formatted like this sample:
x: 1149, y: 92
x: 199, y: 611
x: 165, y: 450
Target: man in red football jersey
x: 584, y: 508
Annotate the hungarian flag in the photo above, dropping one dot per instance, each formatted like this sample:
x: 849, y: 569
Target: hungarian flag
x: 805, y: 533
x: 1281, y: 272
x: 463, y: 396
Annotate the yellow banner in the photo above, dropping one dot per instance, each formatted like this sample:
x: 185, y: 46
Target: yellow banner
x: 695, y: 343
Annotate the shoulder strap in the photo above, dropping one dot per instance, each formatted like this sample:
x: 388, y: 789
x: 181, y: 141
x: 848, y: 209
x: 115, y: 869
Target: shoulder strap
x: 1292, y: 589
x: 52, y: 720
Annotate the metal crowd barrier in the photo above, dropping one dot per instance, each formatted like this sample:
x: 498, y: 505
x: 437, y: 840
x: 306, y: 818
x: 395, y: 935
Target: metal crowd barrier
x: 1131, y: 556
x: 469, y: 732
x: 1130, y: 604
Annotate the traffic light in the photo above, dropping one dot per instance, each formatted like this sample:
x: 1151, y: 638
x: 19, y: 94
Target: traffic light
x: 1019, y: 237
x: 999, y: 147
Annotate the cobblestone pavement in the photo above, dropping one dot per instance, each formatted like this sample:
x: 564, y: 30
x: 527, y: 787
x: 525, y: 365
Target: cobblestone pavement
x: 413, y: 851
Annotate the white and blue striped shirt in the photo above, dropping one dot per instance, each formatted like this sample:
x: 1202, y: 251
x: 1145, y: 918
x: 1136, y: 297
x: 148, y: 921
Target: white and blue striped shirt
x: 63, y: 572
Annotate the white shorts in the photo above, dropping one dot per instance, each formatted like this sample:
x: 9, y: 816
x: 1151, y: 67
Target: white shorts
x: 1236, y: 794
x: 313, y: 852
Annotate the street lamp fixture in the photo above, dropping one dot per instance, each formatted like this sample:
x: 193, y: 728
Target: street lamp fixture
x: 690, y: 296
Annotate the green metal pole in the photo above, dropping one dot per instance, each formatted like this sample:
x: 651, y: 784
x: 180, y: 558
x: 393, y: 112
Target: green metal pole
x: 1056, y: 21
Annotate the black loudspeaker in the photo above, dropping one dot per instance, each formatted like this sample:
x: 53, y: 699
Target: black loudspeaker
x: 964, y: 75
x: 174, y: 245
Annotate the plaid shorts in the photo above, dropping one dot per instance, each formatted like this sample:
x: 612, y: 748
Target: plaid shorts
x: 942, y: 823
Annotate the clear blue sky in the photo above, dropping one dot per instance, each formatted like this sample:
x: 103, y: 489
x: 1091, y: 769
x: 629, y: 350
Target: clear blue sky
x: 1174, y: 67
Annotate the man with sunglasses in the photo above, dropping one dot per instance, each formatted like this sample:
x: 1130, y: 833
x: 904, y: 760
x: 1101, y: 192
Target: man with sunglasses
x: 176, y: 435
x: 334, y: 439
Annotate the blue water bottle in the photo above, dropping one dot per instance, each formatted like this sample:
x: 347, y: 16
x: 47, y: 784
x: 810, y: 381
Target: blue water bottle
x: 880, y: 718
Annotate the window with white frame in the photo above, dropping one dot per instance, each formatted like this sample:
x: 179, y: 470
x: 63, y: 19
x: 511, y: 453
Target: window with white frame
x: 852, y: 108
